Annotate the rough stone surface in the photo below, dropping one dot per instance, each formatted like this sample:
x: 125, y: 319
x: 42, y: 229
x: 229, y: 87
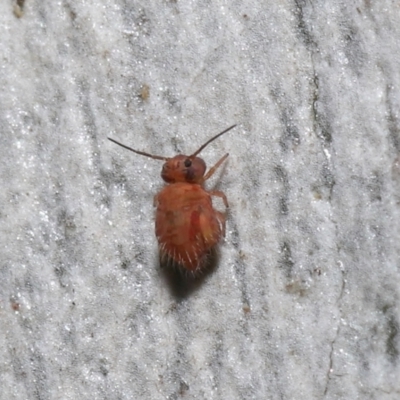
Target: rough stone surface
x: 304, y: 299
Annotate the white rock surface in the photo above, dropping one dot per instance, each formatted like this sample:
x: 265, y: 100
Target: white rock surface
x: 304, y: 302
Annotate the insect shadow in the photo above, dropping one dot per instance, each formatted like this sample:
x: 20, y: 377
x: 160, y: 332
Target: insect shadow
x: 183, y: 283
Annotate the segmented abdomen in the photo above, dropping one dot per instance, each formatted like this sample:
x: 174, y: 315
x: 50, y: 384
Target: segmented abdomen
x: 186, y: 224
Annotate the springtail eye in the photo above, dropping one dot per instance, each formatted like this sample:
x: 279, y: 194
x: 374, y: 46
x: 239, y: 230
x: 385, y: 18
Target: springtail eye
x: 188, y: 163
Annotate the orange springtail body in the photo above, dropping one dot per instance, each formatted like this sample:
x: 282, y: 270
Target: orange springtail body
x: 187, y: 225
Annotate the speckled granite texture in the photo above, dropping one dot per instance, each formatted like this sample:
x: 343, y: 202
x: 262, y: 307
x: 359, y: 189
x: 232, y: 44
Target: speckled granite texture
x: 304, y: 299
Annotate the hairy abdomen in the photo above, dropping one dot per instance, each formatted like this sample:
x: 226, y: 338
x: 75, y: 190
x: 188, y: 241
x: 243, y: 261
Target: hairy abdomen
x: 187, y: 226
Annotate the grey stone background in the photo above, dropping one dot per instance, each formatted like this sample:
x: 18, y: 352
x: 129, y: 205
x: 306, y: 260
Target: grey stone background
x: 303, y: 302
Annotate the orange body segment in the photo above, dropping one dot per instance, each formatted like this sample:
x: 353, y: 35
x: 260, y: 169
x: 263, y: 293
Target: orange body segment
x: 187, y: 226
